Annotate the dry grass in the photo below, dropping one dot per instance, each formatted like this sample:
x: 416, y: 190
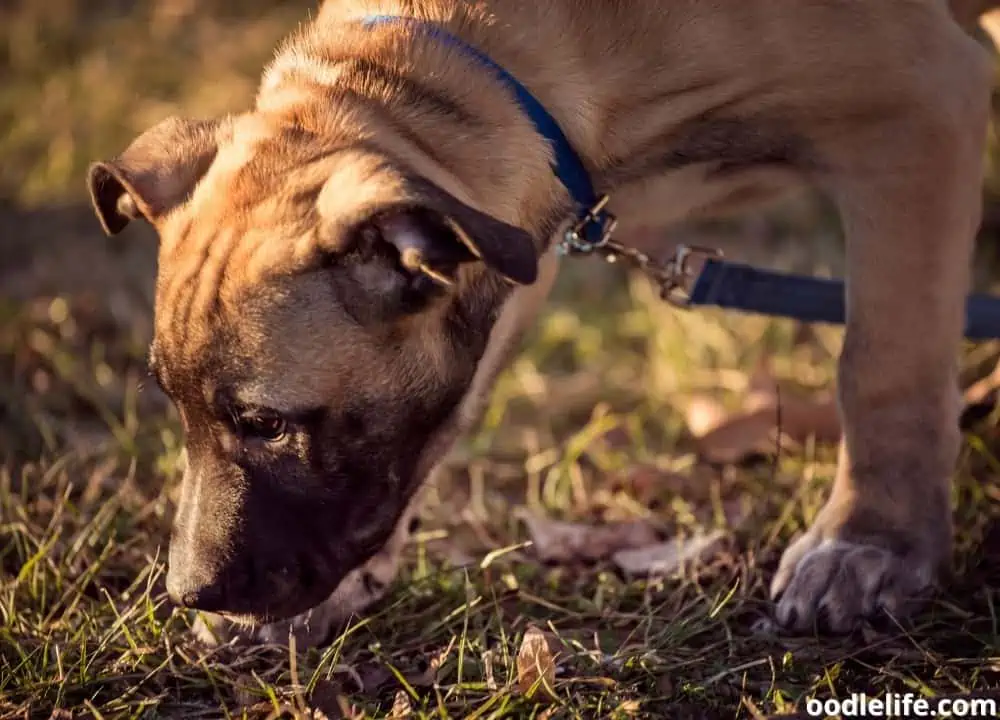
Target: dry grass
x: 588, y: 424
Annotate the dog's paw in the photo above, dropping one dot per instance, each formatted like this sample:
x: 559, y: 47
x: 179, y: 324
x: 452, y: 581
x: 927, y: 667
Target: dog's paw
x: 832, y: 584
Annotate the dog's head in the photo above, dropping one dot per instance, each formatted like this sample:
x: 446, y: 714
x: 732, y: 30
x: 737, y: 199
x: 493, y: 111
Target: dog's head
x: 321, y: 309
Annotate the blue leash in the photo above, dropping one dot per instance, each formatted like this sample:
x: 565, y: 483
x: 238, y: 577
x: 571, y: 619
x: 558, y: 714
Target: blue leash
x: 735, y: 286
x: 720, y: 283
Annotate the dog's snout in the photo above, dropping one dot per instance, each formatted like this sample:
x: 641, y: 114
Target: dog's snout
x: 197, y: 593
x: 209, y: 598
x: 242, y: 587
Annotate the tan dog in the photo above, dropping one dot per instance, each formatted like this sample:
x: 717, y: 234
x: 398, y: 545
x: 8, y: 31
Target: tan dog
x: 322, y: 368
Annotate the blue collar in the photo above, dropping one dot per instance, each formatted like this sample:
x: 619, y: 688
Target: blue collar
x: 594, y: 223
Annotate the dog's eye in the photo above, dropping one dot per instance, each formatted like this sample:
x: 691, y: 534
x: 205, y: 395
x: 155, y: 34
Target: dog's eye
x: 266, y: 427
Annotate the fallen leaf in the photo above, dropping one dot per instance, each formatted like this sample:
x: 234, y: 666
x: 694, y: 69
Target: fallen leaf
x: 536, y: 665
x: 401, y: 707
x: 560, y: 541
x: 666, y: 558
x: 738, y: 437
x: 768, y: 417
x: 755, y: 432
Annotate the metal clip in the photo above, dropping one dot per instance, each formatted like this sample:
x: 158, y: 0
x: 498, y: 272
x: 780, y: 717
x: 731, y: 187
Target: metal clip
x: 575, y: 240
x: 677, y: 273
x: 672, y: 276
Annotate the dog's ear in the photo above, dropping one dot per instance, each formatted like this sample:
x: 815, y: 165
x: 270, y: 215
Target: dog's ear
x: 155, y: 174
x: 435, y: 233
x: 437, y: 241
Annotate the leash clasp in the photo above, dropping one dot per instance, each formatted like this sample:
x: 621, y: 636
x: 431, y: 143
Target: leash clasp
x: 673, y: 277
x: 676, y: 274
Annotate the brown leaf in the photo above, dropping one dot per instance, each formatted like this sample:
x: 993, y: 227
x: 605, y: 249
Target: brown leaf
x: 738, y: 437
x: 723, y: 437
x: 536, y: 665
x: 667, y: 557
x: 401, y: 707
x: 559, y: 541
x: 756, y: 431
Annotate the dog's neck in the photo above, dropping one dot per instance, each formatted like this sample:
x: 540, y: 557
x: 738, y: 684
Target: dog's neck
x: 422, y: 87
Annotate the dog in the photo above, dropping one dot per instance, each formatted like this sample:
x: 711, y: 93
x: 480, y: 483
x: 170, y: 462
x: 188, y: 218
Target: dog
x: 345, y: 268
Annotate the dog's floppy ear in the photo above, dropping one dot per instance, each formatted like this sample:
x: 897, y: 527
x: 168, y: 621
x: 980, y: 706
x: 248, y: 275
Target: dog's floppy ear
x: 435, y: 232
x: 155, y: 174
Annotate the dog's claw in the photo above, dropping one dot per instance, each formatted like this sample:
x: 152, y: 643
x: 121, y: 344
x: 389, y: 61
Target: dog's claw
x: 834, y: 585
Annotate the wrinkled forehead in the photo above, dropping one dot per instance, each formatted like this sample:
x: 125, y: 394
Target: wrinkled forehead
x: 264, y: 179
x: 285, y: 344
x: 274, y: 195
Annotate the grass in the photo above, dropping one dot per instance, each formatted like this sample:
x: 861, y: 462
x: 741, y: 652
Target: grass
x: 588, y: 424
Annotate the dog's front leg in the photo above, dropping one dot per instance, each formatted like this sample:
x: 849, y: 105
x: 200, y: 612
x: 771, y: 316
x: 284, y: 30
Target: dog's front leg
x: 908, y: 189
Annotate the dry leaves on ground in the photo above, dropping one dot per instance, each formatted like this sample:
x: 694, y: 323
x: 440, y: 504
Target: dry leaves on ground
x: 536, y: 665
x: 560, y: 541
x: 765, y: 418
x: 768, y: 416
x: 401, y: 707
x: 635, y: 547
x: 666, y: 558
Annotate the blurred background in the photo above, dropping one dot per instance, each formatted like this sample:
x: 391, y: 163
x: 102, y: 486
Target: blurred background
x: 603, y: 418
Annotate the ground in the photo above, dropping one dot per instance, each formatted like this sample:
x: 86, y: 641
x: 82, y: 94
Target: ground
x: 604, y: 419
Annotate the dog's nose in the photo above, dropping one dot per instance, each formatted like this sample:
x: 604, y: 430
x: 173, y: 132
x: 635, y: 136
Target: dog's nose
x: 195, y: 593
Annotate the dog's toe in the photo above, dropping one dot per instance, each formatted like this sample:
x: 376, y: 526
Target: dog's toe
x: 833, y: 585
